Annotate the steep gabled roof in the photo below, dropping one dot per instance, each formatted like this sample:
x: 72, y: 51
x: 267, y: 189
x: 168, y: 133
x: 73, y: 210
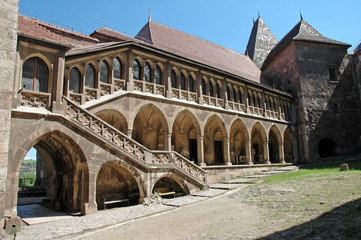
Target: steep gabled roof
x: 199, y: 50
x: 301, y: 32
x: 260, y: 43
x: 107, y: 35
x: 37, y: 29
x: 358, y: 48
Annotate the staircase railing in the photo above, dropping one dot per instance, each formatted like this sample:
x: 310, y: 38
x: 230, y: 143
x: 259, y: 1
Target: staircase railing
x: 101, y: 128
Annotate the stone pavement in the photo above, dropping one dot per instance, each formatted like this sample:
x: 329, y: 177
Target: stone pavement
x: 57, y: 227
x: 54, y: 225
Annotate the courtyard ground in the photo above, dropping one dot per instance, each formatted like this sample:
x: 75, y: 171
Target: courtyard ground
x: 325, y: 204
x: 320, y: 206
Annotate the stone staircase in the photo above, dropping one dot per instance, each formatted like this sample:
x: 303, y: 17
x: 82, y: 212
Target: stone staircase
x: 252, y: 179
x: 114, y: 140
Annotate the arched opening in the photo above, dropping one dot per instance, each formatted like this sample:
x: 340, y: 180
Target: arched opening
x: 288, y: 146
x: 215, y: 134
x: 117, y: 68
x: 184, y: 138
x: 147, y: 72
x: 60, y: 178
x: 326, y: 147
x: 150, y: 127
x: 74, y: 80
x: 273, y: 145
x: 104, y: 72
x: 90, y: 76
x: 171, y: 183
x: 238, y: 141
x: 113, y: 179
x: 114, y: 118
x: 258, y: 144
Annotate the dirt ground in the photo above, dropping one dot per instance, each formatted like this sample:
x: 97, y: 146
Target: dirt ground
x: 316, y: 208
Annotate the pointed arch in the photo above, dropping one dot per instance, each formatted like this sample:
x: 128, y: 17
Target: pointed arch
x: 104, y: 72
x: 275, y: 140
x: 215, y: 135
x: 74, y: 80
x: 259, y: 143
x: 150, y: 127
x: 238, y: 141
x: 90, y: 76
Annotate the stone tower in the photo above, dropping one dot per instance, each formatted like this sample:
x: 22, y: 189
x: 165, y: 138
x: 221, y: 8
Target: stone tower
x: 260, y: 43
x: 317, y: 70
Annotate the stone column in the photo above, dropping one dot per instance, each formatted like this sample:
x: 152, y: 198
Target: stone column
x: 228, y: 153
x: 167, y: 83
x: 281, y: 152
x: 129, y: 71
x: 249, y: 152
x: 168, y: 142
x: 266, y: 152
x: 8, y: 39
x: 91, y: 206
x: 200, y: 149
x: 57, y: 92
x: 129, y: 133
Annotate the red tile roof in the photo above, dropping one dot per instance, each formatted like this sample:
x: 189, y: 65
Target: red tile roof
x: 199, y: 50
x: 107, y: 35
x: 38, y: 29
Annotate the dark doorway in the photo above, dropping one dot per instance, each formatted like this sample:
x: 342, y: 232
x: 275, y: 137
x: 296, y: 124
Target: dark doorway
x: 218, y: 153
x: 256, y: 157
x: 272, y: 157
x: 193, y: 153
x: 326, y: 148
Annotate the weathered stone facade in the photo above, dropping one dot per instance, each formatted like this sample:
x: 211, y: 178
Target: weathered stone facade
x: 116, y: 114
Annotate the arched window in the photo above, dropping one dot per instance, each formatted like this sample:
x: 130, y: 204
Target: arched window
x: 229, y: 93
x: 117, y: 68
x: 74, y: 80
x: 90, y: 76
x: 211, y: 93
x: 250, y: 99
x: 35, y: 76
x: 235, y: 93
x: 104, y: 72
x: 240, y: 95
x: 218, y: 88
x: 158, y: 75
x: 191, y: 83
x: 147, y: 72
x: 136, y: 69
x: 204, y: 87
x: 255, y: 99
x: 173, y: 79
x: 182, y: 81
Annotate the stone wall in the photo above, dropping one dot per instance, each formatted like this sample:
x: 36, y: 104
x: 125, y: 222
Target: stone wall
x: 8, y: 38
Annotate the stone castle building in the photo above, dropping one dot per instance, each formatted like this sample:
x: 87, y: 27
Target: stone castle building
x: 109, y: 113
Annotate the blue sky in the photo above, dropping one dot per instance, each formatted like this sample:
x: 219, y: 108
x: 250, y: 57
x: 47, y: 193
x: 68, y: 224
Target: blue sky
x: 225, y: 22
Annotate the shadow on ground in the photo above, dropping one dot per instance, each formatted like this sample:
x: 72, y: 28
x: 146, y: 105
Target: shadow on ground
x: 343, y: 222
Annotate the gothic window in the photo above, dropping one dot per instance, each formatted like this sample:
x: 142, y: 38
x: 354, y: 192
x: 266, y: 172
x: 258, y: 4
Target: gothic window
x: 235, y: 90
x: 117, y: 68
x: 173, y: 79
x: 74, y: 80
x: 158, y: 75
x: 136, y: 69
x: 35, y: 75
x: 336, y: 108
x: 191, y: 83
x: 104, y: 72
x: 147, y: 72
x: 332, y: 74
x: 90, y: 76
x: 218, y: 90
x: 204, y: 87
x: 182, y: 81
x: 250, y: 99
x: 211, y: 93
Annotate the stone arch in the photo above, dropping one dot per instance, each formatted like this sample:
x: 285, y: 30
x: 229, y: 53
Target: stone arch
x: 119, y: 177
x: 259, y: 143
x: 250, y: 98
x: 275, y: 139
x: 114, y: 118
x: 238, y: 141
x: 150, y: 127
x: 67, y: 182
x: 215, y: 137
x: 186, y: 131
x: 288, y: 145
x: 173, y: 182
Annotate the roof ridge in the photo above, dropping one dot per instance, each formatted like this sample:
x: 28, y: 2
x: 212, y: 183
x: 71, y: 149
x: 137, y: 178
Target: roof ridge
x: 44, y: 24
x: 203, y: 39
